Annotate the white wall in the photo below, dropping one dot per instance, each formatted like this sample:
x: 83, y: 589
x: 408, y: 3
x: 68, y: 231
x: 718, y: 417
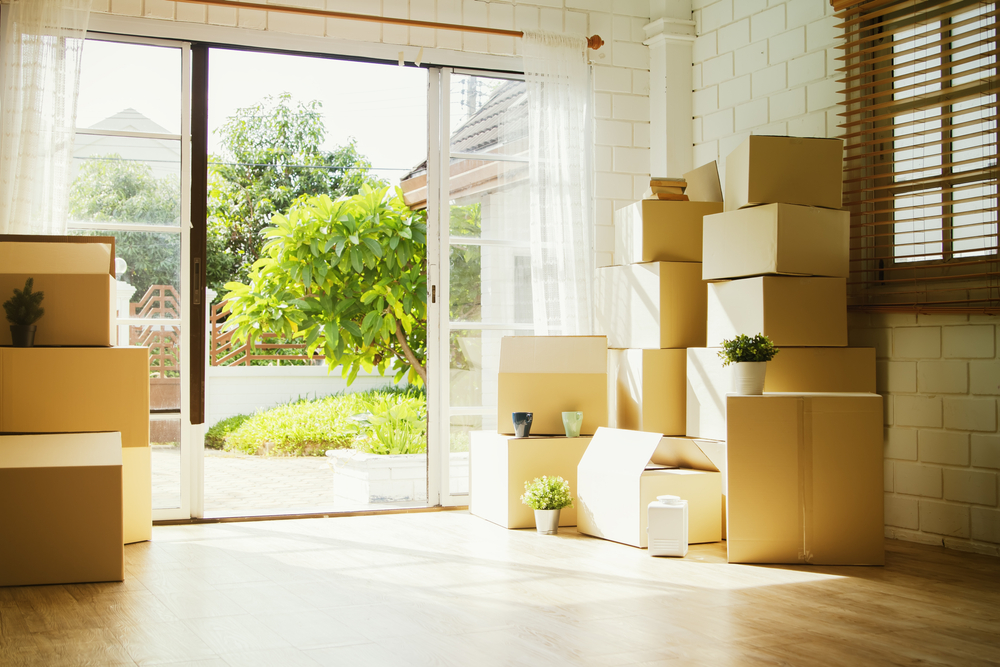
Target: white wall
x: 769, y: 68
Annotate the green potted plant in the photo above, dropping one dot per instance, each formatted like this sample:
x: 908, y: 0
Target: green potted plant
x: 547, y: 495
x: 749, y: 357
x: 23, y: 310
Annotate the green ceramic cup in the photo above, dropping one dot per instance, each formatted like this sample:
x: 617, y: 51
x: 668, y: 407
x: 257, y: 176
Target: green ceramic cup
x: 572, y: 421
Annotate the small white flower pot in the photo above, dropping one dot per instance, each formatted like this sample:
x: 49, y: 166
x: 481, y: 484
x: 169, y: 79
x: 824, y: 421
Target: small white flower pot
x: 748, y: 377
x: 547, y: 521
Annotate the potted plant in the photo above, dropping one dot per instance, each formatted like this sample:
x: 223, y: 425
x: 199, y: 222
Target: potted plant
x: 749, y: 357
x: 23, y: 310
x: 547, y: 495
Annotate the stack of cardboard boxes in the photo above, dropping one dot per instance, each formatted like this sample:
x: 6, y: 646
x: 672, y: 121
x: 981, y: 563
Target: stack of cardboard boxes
x: 88, y: 403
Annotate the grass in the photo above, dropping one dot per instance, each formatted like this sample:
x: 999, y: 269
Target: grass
x: 390, y: 420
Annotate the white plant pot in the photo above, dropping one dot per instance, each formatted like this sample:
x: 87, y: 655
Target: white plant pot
x: 748, y: 377
x: 547, y: 521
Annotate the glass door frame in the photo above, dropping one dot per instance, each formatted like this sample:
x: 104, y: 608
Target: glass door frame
x: 187, y: 462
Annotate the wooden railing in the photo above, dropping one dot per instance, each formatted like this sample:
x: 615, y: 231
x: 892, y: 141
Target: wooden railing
x: 159, y: 301
x: 224, y: 352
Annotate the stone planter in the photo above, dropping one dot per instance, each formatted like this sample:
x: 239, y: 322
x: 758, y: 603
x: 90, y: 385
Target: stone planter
x: 373, y: 478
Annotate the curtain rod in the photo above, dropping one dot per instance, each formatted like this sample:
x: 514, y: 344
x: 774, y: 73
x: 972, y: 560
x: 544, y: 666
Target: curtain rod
x: 593, y: 42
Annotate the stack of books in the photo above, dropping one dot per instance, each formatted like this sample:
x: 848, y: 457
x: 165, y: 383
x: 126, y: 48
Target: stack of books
x: 671, y: 189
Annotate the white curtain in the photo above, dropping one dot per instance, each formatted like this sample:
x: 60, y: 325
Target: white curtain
x: 43, y: 49
x: 561, y: 224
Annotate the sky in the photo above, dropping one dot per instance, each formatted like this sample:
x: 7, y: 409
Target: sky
x: 382, y: 106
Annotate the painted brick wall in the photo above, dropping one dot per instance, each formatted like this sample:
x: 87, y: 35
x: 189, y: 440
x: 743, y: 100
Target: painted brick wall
x: 769, y: 68
x: 621, y: 67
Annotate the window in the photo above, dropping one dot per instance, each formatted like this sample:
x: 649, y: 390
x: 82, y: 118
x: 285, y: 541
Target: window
x: 921, y: 154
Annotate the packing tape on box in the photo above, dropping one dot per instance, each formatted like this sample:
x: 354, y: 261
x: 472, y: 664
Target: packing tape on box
x: 805, y: 481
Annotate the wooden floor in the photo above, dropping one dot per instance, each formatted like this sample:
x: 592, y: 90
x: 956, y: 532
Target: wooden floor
x: 450, y: 589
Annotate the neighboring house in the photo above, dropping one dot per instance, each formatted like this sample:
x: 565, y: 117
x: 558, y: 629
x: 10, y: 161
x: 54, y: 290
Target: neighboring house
x: 162, y: 155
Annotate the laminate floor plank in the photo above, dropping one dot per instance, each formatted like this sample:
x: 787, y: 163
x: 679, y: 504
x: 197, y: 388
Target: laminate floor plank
x: 447, y: 589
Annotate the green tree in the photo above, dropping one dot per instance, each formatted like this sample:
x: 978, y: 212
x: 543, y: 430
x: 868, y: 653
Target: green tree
x: 346, y: 276
x: 271, y: 156
x: 112, y: 189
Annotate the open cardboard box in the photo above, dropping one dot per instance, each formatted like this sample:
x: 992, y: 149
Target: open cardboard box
x: 615, y: 489
x: 805, y: 479
x: 62, y: 500
x: 549, y: 375
x: 777, y: 239
x: 695, y: 454
x: 793, y: 369
x: 785, y: 170
x: 501, y: 464
x: 648, y: 390
x: 791, y: 311
x: 77, y: 274
x: 652, y: 306
x: 86, y: 389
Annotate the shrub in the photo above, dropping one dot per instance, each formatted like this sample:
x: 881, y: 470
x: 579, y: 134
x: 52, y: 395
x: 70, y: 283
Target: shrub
x: 744, y: 348
x: 547, y: 493
x: 215, y: 437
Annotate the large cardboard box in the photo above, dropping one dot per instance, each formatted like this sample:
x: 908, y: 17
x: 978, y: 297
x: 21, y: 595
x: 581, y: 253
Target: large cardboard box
x: 77, y: 275
x: 615, y: 489
x: 785, y: 170
x: 652, y: 230
x: 695, y: 454
x: 794, y: 312
x: 777, y: 239
x: 649, y: 389
x: 61, y: 496
x: 652, y: 306
x: 793, y: 369
x: 501, y: 464
x: 86, y: 389
x: 549, y: 375
x: 805, y: 479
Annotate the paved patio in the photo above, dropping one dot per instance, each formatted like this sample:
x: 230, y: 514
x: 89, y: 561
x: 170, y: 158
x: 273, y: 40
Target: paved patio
x: 242, y: 485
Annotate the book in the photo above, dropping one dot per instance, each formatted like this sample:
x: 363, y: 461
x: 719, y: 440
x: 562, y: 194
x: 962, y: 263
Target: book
x: 666, y: 190
x: 668, y: 182
x: 671, y: 197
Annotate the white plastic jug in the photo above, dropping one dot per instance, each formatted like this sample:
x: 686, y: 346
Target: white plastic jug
x: 667, y: 527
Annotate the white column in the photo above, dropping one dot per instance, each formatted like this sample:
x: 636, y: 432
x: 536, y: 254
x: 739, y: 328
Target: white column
x: 671, y: 126
x: 124, y: 297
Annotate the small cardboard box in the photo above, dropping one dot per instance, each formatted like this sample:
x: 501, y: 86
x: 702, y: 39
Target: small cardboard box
x: 62, y: 500
x: 649, y: 390
x: 549, y: 375
x: 501, y: 464
x: 793, y: 312
x: 77, y: 275
x: 695, y: 454
x: 785, y: 170
x: 793, y: 369
x: 615, y: 489
x: 777, y: 239
x: 652, y: 306
x: 86, y: 389
x: 805, y: 479
x: 652, y: 230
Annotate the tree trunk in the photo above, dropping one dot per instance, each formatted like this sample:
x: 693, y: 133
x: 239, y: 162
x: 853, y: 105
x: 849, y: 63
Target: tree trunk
x: 410, y: 357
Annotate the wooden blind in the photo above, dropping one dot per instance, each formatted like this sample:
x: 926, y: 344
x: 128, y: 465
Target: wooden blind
x: 919, y: 119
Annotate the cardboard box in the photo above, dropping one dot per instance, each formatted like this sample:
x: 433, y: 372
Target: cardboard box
x: 695, y: 454
x: 777, y: 239
x: 785, y: 170
x: 501, y: 464
x: 793, y: 312
x: 652, y: 306
x: 62, y: 495
x: 549, y: 375
x: 793, y: 369
x: 615, y: 489
x: 78, y: 277
x: 86, y: 389
x: 649, y: 390
x: 805, y: 479
x: 661, y: 231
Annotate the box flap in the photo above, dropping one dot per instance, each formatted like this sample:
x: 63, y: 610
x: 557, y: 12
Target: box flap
x: 618, y: 451
x: 693, y: 453
x: 57, y: 254
x: 703, y: 183
x: 554, y: 354
x: 61, y: 450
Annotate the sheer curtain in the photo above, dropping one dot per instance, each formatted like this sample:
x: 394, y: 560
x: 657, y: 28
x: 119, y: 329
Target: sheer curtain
x: 561, y: 224
x: 43, y: 49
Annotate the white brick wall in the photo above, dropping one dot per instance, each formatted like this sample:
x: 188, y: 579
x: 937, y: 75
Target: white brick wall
x: 939, y: 375
x: 621, y: 74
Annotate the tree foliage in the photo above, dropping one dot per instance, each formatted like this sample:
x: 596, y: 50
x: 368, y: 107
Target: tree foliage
x: 347, y: 276
x: 272, y: 155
